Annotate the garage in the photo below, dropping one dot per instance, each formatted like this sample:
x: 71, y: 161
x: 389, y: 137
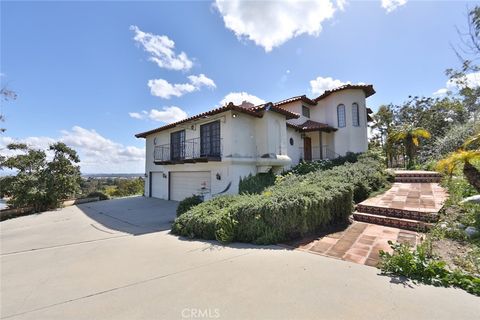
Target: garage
x: 184, y: 184
x: 158, y: 186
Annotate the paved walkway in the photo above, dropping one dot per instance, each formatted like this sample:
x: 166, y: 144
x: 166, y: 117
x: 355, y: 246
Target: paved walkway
x: 360, y: 243
x: 109, y: 263
x: 421, y: 197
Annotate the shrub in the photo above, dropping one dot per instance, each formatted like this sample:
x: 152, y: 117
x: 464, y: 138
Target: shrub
x: 256, y: 183
x: 450, y: 142
x: 188, y: 203
x: 311, y: 166
x: 201, y: 220
x: 100, y: 195
x: 294, y: 206
x: 418, y: 265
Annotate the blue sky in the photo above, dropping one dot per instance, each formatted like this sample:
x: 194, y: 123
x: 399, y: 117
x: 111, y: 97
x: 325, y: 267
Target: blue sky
x: 81, y: 77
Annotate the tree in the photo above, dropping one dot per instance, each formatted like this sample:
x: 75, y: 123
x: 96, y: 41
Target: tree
x: 40, y: 183
x: 468, y: 52
x: 128, y: 187
x: 62, y: 177
x: 410, y: 137
x: 6, y: 95
x: 27, y: 187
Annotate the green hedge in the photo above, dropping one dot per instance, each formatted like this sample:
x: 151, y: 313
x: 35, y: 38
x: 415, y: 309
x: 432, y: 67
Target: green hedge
x: 293, y: 207
x: 188, y: 203
x: 311, y: 166
x: 256, y: 183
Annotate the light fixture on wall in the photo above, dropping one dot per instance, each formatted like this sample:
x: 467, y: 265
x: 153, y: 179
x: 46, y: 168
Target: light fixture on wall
x: 146, y: 175
x: 164, y: 175
x: 218, y: 176
x: 234, y: 115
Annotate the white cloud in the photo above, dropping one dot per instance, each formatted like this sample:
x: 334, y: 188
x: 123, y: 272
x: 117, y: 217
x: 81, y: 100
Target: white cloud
x: 238, y: 97
x: 164, y: 89
x: 201, y: 80
x: 471, y: 80
x: 135, y: 115
x: 341, y: 4
x: 271, y: 23
x: 161, y: 49
x: 440, y: 92
x: 391, y: 5
x: 321, y: 84
x: 167, y: 114
x: 97, y: 153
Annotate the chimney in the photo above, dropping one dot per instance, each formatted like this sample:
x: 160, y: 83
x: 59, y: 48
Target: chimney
x: 247, y: 105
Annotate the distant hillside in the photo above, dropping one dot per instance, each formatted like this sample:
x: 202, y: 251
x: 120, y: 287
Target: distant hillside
x: 112, y: 175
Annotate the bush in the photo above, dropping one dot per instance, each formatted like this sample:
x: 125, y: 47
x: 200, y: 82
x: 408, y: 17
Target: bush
x: 418, y: 265
x: 293, y: 207
x: 445, y: 144
x: 311, y: 166
x: 255, y: 184
x: 188, y: 203
x: 100, y: 195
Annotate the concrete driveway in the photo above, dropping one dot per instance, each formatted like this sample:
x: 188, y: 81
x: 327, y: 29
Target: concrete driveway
x: 116, y: 260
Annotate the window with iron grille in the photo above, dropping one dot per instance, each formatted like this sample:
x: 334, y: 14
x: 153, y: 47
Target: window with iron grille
x: 177, y: 145
x: 355, y: 115
x: 341, y: 115
x: 210, y: 140
x: 305, y: 112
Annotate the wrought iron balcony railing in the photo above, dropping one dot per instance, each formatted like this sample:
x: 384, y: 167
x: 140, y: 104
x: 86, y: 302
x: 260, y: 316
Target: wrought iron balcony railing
x: 192, y: 150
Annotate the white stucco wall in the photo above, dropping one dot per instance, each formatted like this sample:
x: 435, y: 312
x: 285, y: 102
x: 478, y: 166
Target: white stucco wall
x: 294, y: 152
x: 245, y: 139
x: 349, y: 138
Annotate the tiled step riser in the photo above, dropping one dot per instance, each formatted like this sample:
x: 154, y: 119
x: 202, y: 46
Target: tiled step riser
x: 421, y: 175
x: 385, y: 221
x: 418, y: 179
x: 398, y: 213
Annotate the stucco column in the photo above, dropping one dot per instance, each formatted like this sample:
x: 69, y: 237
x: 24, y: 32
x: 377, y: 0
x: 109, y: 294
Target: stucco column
x: 320, y: 144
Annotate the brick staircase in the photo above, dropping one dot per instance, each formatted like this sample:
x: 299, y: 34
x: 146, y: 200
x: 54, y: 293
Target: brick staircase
x: 417, y: 176
x: 412, y: 203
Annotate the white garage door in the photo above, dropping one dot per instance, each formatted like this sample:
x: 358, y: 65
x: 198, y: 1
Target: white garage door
x: 158, y: 185
x: 185, y: 184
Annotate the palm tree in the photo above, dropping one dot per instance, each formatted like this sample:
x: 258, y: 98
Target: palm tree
x: 410, y: 137
x: 465, y: 157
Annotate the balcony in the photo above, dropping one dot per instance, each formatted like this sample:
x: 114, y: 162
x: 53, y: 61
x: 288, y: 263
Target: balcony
x: 190, y: 151
x: 315, y: 154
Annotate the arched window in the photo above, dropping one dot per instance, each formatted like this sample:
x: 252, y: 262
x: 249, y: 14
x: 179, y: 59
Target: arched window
x: 341, y: 115
x: 355, y: 115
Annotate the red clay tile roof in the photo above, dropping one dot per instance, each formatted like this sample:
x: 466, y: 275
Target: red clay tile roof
x: 254, y: 111
x: 297, y: 98
x: 311, y: 125
x: 273, y: 107
x: 367, y: 88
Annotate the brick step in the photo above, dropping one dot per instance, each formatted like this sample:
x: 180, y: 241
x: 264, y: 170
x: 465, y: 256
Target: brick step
x: 398, y: 213
x: 411, y: 179
x: 407, y: 224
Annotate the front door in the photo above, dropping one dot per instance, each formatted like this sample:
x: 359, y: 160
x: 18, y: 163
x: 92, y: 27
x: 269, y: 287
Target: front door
x: 307, y: 149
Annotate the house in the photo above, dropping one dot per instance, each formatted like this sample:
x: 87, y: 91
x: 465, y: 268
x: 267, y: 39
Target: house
x: 208, y: 153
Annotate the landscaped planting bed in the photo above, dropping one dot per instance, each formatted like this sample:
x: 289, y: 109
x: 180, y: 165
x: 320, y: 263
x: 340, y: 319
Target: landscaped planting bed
x: 293, y: 207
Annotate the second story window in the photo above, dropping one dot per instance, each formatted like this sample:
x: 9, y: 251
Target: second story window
x: 341, y: 115
x: 355, y: 115
x: 210, y: 139
x: 177, y: 145
x: 305, y: 112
